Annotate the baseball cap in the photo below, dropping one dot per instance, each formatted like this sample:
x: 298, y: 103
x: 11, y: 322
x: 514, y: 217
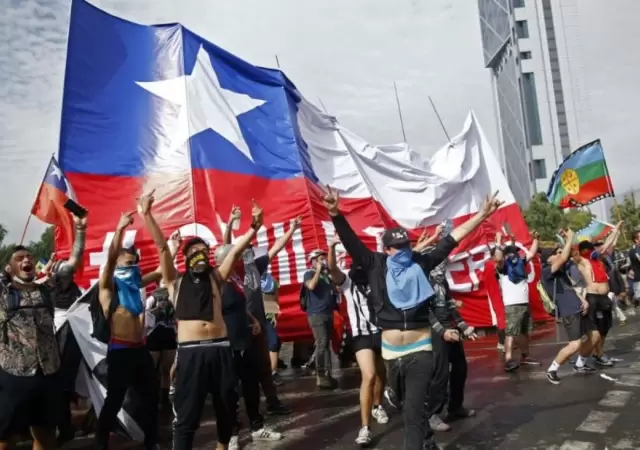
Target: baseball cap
x: 395, y: 237
x: 315, y: 253
x: 548, y: 252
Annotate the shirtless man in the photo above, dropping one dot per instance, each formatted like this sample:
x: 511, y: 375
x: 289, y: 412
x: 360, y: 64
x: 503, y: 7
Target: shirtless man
x: 595, y: 276
x: 401, y: 296
x: 205, y: 363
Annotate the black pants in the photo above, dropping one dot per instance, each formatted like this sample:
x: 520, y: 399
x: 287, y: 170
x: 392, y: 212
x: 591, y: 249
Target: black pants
x: 411, y: 376
x: 204, y: 368
x: 129, y: 368
x: 71, y: 357
x: 248, y: 374
x: 449, y: 371
x: 261, y: 363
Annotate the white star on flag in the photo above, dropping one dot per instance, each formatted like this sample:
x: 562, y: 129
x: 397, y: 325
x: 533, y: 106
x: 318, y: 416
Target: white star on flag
x: 203, y: 104
x: 55, y: 172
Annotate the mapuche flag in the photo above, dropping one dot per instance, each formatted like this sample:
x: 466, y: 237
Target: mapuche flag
x: 581, y: 179
x: 594, y: 232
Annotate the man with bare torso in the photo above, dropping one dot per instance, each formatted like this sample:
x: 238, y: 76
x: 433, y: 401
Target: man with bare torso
x: 205, y: 363
x: 594, y: 274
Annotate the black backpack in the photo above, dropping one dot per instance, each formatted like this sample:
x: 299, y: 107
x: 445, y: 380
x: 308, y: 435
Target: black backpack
x: 304, y: 297
x: 13, y: 305
x: 101, y: 323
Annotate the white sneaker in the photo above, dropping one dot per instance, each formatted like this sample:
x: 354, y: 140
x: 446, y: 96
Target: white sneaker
x: 266, y: 434
x: 234, y: 443
x: 380, y: 414
x: 364, y: 437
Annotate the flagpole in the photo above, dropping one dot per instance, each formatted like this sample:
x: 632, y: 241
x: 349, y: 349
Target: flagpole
x: 26, y: 225
x: 404, y: 135
x: 615, y: 202
x: 435, y: 110
x: 277, y: 61
x: 322, y: 104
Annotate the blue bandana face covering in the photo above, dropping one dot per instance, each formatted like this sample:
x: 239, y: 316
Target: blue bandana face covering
x: 515, y: 268
x: 407, y: 285
x: 128, y: 281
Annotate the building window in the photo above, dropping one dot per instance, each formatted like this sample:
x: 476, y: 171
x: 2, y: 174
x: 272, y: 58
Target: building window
x: 532, y: 114
x: 525, y: 55
x: 518, y: 3
x: 522, y: 30
x: 539, y: 169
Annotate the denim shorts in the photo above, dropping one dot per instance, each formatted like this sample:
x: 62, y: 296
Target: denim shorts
x: 273, y: 341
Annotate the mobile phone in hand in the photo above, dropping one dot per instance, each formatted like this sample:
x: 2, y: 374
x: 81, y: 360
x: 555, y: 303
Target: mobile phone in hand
x: 75, y: 209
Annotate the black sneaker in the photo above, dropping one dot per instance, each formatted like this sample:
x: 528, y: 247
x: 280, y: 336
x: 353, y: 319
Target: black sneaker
x: 511, y: 365
x: 602, y: 361
x: 584, y: 369
x: 277, y: 381
x: 552, y: 376
x: 281, y: 364
x: 278, y: 409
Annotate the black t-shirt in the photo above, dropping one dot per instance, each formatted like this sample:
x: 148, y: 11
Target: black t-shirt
x: 635, y: 263
x: 234, y: 311
x: 252, y: 289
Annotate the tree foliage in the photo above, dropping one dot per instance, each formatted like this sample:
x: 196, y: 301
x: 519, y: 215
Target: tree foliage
x: 41, y: 249
x: 547, y: 218
x: 630, y: 213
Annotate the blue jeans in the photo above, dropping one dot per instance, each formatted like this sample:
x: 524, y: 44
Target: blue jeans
x: 273, y: 341
x: 412, y: 374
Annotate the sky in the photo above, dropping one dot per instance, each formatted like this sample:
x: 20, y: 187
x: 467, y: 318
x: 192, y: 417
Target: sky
x: 346, y: 53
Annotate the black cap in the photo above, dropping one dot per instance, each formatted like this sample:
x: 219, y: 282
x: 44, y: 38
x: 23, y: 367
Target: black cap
x: 547, y: 252
x: 395, y: 237
x: 511, y: 249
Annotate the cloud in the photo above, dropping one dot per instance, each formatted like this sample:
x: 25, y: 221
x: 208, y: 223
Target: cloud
x: 346, y: 53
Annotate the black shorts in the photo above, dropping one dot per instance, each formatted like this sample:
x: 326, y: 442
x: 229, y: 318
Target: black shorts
x: 600, y: 312
x: 35, y: 401
x: 162, y: 338
x: 367, y: 342
x: 577, y: 326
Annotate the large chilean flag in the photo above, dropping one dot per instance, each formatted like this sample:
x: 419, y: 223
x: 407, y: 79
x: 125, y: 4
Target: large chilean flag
x: 159, y: 107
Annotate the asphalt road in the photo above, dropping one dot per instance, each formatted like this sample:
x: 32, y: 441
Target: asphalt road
x: 514, y: 411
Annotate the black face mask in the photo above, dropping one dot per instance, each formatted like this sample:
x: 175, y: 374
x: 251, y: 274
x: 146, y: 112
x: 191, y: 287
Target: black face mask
x: 198, y: 263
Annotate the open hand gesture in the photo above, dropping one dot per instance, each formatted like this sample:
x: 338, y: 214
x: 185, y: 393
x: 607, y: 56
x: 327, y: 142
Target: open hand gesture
x: 490, y: 205
x: 126, y: 219
x: 257, y: 216
x: 145, y: 203
x: 331, y: 200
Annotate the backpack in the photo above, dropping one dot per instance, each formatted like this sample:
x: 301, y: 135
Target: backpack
x: 304, y: 297
x: 101, y: 323
x: 13, y: 306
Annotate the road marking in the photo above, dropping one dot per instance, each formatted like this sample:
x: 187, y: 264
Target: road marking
x: 578, y: 445
x: 598, y: 422
x: 625, y: 380
x: 637, y: 347
x: 635, y: 366
x: 616, y: 399
x: 300, y: 432
x: 623, y: 444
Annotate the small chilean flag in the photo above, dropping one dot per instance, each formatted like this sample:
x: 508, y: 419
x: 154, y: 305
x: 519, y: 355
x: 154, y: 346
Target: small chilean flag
x: 54, y: 192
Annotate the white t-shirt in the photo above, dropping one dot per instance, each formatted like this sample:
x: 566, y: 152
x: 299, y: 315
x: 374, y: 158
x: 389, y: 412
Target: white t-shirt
x: 514, y: 293
x: 360, y: 314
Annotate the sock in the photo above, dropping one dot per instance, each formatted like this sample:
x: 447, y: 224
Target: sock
x: 553, y: 367
x: 580, y: 362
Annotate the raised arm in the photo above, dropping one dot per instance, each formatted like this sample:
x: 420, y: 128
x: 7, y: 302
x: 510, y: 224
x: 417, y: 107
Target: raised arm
x: 235, y: 215
x: 351, y: 242
x: 558, y: 263
x: 164, y: 254
x: 77, y: 250
x: 105, y: 283
x: 425, y: 240
x: 489, y: 206
x: 156, y: 276
x: 533, y: 250
x: 611, y: 240
x: 336, y: 274
x: 282, y: 241
x: 226, y: 266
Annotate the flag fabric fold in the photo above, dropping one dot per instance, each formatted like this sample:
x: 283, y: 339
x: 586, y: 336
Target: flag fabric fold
x: 582, y: 178
x: 160, y: 107
x: 54, y: 191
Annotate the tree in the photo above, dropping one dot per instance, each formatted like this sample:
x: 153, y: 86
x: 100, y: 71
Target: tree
x: 41, y: 249
x: 630, y: 213
x: 578, y: 218
x: 544, y: 217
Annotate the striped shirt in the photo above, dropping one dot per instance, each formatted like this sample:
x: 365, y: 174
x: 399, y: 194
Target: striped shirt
x: 360, y: 314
